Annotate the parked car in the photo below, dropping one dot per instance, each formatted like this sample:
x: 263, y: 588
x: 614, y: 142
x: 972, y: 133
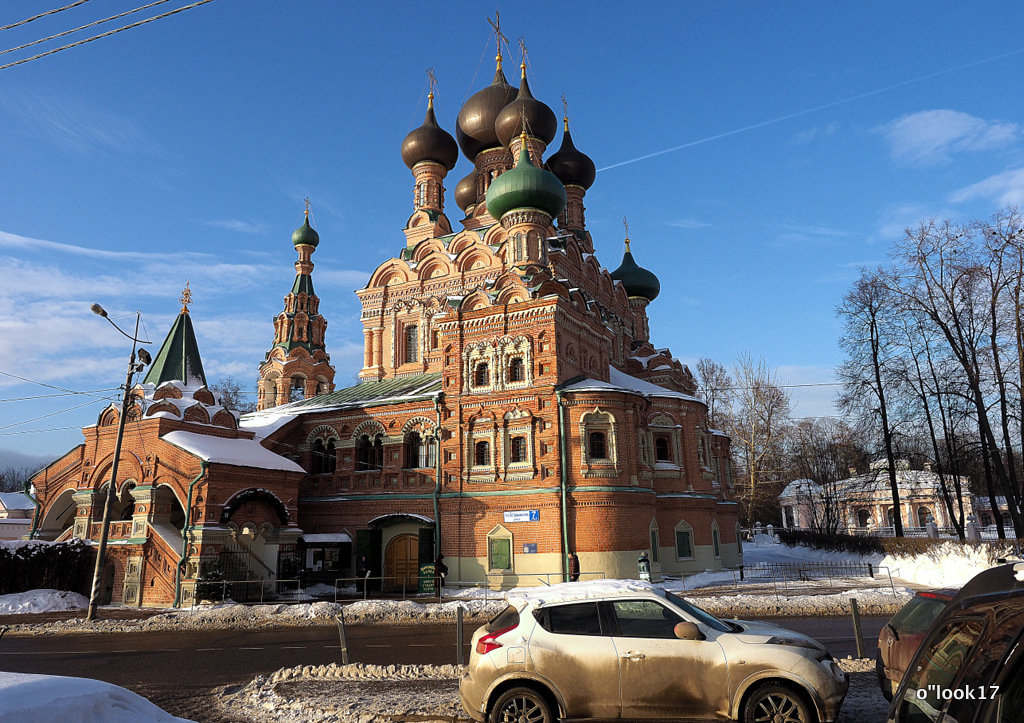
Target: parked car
x: 901, y: 636
x: 970, y: 666
x: 597, y: 651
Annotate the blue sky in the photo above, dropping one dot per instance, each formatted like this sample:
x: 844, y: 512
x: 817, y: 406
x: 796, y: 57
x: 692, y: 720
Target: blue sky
x: 807, y: 136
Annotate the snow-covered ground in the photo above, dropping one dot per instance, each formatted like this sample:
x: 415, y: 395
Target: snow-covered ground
x: 26, y: 697
x: 42, y: 601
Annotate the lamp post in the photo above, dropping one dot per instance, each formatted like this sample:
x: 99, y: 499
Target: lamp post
x: 133, y: 367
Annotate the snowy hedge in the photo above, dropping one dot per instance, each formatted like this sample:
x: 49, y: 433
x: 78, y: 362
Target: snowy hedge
x: 893, y: 546
x: 51, y: 565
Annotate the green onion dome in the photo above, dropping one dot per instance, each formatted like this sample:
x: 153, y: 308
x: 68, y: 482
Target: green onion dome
x: 474, y: 129
x: 304, y: 235
x: 637, y: 280
x: 525, y: 186
x: 540, y: 120
x: 430, y: 142
x: 572, y: 167
x: 465, y: 191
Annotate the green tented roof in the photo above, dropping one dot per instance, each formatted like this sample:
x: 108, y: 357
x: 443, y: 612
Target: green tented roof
x: 303, y: 284
x: 178, y: 358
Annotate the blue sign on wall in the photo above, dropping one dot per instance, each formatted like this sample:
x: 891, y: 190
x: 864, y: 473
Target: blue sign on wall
x: 522, y: 516
x: 529, y: 548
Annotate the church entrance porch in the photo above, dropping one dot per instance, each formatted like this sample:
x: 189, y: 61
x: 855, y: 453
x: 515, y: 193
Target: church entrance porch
x: 401, y: 562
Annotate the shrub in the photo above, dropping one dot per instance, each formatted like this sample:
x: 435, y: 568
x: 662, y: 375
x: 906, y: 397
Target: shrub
x: 43, y: 565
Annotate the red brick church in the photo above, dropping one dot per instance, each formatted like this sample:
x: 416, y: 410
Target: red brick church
x: 512, y: 407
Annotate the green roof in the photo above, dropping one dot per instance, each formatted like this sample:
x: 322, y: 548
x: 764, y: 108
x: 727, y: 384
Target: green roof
x: 178, y: 358
x: 303, y: 285
x: 386, y: 391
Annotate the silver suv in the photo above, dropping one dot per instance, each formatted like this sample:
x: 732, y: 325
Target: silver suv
x: 600, y: 651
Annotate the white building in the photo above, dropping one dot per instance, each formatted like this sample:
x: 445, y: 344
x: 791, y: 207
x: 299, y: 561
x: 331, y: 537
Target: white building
x: 16, y: 511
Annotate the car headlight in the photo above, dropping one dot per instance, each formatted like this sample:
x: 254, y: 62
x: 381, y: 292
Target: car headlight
x: 832, y: 667
x: 793, y: 642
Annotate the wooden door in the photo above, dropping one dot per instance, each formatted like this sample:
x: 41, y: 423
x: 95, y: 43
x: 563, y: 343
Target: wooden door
x: 401, y: 560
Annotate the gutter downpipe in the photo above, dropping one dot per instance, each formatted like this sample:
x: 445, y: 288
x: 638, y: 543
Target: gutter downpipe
x: 35, y: 515
x: 564, y: 469
x: 437, y: 483
x: 187, y: 531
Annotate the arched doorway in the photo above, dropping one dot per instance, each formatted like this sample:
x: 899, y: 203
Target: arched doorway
x: 863, y: 518
x: 401, y: 562
x: 58, y: 517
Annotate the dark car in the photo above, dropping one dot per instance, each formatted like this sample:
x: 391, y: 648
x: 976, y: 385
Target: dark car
x: 970, y: 667
x: 901, y: 636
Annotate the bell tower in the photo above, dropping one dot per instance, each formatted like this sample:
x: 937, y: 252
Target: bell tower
x: 298, y: 365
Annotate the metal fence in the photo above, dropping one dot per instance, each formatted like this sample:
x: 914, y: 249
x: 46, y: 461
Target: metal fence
x: 797, y: 577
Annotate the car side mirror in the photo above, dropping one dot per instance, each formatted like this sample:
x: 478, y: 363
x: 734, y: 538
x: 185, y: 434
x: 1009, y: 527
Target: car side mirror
x: 687, y: 631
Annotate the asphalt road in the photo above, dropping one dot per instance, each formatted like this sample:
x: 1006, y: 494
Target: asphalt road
x: 220, y: 657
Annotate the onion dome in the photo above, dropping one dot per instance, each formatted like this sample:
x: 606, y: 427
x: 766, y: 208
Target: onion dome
x: 637, y: 280
x: 474, y: 129
x: 525, y: 186
x: 465, y: 191
x: 430, y: 142
x: 305, y: 235
x: 572, y: 167
x: 540, y: 120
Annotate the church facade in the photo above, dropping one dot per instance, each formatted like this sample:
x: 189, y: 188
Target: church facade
x: 512, y: 408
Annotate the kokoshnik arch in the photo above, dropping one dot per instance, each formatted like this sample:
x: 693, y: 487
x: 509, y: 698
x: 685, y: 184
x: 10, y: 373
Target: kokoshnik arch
x: 512, y: 406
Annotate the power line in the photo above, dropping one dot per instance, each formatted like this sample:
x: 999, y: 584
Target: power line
x: 43, y: 15
x: 51, y: 414
x: 106, y: 34
x: 61, y: 394
x: 81, y: 27
x: 50, y: 386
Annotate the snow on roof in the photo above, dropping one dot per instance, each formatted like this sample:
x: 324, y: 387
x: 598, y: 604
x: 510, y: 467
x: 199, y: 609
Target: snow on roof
x: 620, y: 381
x: 241, y: 452
x: 55, y: 697
x: 565, y: 591
x: 800, y: 487
x: 264, y: 424
x: 15, y: 501
x: 322, y: 537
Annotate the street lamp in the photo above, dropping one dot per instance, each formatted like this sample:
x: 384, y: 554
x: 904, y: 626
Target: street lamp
x: 133, y: 367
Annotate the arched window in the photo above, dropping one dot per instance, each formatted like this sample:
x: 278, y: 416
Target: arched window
x: 412, y: 340
x: 597, y: 446
x: 364, y: 453
x: 517, y: 450
x: 378, y: 453
x: 317, y: 462
x: 482, y: 454
x: 863, y: 518
x: 662, y: 449
x: 428, y: 452
x: 516, y: 370
x: 481, y: 375
x: 297, y: 390
x: 413, y: 448
x: 924, y: 516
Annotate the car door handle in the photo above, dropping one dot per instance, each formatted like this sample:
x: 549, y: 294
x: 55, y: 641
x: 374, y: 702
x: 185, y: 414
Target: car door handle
x: 630, y: 655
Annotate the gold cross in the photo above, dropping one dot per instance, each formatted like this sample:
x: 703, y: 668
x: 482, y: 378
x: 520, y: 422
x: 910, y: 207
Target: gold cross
x: 307, y: 206
x: 625, y: 222
x: 498, y: 35
x: 185, y: 298
x: 432, y: 79
x: 522, y: 49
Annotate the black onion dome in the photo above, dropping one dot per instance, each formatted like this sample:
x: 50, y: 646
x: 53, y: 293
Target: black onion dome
x: 572, y: 167
x: 540, y: 120
x: 474, y: 129
x: 430, y: 142
x: 637, y: 280
x: 465, y: 191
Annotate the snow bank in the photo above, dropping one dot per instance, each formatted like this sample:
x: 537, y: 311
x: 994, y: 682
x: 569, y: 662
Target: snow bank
x: 74, y: 700
x: 946, y: 565
x: 41, y: 601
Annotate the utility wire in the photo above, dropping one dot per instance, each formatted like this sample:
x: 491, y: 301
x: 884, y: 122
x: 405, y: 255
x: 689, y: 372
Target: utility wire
x: 50, y: 386
x: 81, y: 27
x: 43, y: 15
x: 106, y: 34
x: 51, y: 396
x: 51, y: 414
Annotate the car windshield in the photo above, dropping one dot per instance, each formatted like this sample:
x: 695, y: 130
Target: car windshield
x: 702, y: 616
x: 917, y: 615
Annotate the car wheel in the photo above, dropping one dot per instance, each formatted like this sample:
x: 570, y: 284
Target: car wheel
x: 774, y: 703
x: 888, y: 687
x: 521, y: 705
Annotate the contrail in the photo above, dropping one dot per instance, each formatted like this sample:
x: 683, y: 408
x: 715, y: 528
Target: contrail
x: 815, y: 109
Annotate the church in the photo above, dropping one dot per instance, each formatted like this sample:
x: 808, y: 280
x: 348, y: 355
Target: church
x: 512, y: 408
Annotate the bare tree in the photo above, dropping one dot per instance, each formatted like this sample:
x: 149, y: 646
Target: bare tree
x: 825, y: 451
x: 867, y: 311
x: 14, y: 477
x: 715, y: 387
x: 760, y: 412
x: 232, y: 396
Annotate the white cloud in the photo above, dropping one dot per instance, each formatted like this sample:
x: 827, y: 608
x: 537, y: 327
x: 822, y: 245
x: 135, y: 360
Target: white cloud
x: 934, y: 136
x: 689, y: 223
x: 239, y: 226
x: 1006, y: 189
